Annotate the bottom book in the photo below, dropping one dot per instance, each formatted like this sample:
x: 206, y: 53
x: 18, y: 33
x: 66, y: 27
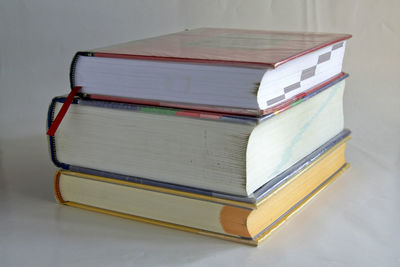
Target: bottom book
x: 246, y: 220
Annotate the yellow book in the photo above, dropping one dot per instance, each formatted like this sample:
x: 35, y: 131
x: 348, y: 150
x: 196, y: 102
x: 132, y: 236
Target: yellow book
x: 226, y: 217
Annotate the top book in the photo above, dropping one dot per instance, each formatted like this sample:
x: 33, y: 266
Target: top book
x: 225, y: 70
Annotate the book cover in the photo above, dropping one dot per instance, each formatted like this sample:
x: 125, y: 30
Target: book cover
x: 249, y: 48
x: 193, y: 69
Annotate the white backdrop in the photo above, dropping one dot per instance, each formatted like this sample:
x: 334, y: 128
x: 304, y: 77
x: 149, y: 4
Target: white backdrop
x: 354, y: 222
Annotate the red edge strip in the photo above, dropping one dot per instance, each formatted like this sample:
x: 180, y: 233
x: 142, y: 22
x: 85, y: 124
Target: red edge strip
x: 198, y: 114
x: 57, y: 121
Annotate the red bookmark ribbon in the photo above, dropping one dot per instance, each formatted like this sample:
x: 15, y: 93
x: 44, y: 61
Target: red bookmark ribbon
x: 54, y: 126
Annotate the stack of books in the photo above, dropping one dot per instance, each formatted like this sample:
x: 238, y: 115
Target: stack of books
x: 221, y: 132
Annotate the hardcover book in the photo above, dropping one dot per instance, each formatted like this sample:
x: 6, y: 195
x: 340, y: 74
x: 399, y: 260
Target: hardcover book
x: 224, y: 153
x: 221, y: 70
x: 243, y: 219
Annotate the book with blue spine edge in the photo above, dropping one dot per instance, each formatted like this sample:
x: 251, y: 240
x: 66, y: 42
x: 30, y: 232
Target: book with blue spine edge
x: 253, y: 198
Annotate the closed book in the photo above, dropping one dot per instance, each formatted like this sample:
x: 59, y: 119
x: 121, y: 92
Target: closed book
x: 220, y: 70
x: 223, y: 153
x: 243, y: 219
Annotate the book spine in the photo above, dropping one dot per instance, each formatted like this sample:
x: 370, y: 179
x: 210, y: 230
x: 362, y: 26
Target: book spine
x: 52, y: 144
x: 57, y: 192
x: 72, y: 67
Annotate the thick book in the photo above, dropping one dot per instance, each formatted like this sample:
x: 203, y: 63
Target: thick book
x: 247, y: 220
x: 223, y: 153
x: 223, y: 70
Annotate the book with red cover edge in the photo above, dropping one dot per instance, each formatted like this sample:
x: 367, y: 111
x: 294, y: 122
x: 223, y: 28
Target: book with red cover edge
x: 233, y: 47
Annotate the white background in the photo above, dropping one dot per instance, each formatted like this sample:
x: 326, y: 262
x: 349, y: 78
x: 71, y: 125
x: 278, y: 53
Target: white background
x: 355, y: 221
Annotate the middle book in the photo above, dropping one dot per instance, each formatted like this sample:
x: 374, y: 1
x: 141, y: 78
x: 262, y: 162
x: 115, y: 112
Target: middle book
x: 223, y: 153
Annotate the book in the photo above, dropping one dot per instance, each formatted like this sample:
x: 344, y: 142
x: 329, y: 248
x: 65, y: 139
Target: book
x: 224, y: 153
x: 221, y: 70
x: 247, y: 220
